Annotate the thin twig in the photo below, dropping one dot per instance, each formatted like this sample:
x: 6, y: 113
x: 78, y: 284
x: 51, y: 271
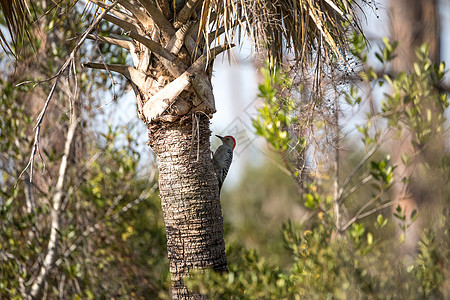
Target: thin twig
x: 36, y: 82
x: 336, y: 206
x: 370, y: 212
x: 361, y: 210
x: 377, y: 209
x: 356, y: 169
x: 37, y: 128
x: 107, y: 69
x: 356, y: 187
x: 50, y: 257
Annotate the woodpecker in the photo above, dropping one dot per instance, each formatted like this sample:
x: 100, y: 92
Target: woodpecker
x: 223, y: 157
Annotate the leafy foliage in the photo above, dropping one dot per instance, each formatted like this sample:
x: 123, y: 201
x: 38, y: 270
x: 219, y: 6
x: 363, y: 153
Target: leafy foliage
x: 415, y: 102
x: 110, y: 217
x: 105, y: 229
x: 112, y: 221
x: 277, y: 113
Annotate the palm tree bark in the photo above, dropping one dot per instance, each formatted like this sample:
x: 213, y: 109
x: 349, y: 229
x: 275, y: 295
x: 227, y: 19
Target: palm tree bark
x: 189, y: 199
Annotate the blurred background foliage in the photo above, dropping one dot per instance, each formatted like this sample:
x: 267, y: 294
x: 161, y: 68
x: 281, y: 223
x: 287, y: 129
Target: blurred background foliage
x: 350, y: 235
x: 326, y: 216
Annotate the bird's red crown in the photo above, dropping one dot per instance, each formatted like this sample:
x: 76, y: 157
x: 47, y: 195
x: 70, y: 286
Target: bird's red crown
x: 234, y: 140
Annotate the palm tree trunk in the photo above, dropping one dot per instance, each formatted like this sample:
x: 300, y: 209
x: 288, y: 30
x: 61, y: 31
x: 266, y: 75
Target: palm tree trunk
x: 172, y: 82
x: 189, y: 199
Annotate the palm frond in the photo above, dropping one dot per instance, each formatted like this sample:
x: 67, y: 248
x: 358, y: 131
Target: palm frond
x: 299, y: 27
x: 20, y: 19
x: 16, y: 16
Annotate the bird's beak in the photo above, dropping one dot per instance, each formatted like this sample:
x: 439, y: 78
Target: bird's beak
x: 220, y: 137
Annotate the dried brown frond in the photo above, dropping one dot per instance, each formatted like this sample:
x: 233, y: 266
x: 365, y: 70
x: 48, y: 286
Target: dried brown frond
x: 16, y: 15
x: 301, y: 28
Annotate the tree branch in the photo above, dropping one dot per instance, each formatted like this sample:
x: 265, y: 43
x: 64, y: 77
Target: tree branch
x: 50, y: 257
x: 120, y: 15
x: 356, y: 169
x: 152, y: 45
x: 37, y: 127
x: 176, y: 68
x: 377, y: 209
x: 336, y: 206
x: 139, y: 78
x: 39, y: 282
x: 355, y: 188
x: 127, y: 26
x: 360, y: 211
x: 370, y: 212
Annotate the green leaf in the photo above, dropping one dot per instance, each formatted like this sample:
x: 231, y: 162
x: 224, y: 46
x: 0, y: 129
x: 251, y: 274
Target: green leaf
x: 378, y: 56
x: 309, y: 201
x: 369, y: 238
x: 417, y: 69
